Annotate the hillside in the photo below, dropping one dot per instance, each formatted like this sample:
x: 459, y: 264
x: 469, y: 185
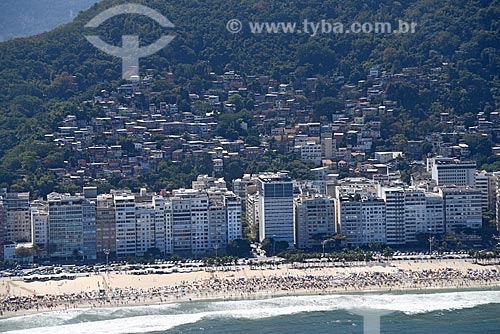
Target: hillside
x: 22, y: 18
x: 48, y: 76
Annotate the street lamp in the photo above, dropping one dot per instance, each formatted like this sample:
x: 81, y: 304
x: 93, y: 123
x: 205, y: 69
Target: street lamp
x: 216, y: 247
x: 106, y: 252
x: 431, y: 240
x: 324, y: 243
x: 274, y: 245
x: 497, y: 238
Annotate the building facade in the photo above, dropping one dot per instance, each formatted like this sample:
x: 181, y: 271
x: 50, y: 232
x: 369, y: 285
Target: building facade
x: 67, y: 216
x: 394, y: 198
x: 450, y: 171
x: 17, y: 215
x: 105, y: 226
x: 126, y: 243
x: 462, y: 208
x: 314, y: 219
x: 40, y: 226
x: 276, y: 207
x: 361, y: 219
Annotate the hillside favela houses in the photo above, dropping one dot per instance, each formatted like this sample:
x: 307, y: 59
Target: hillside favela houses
x: 347, y: 187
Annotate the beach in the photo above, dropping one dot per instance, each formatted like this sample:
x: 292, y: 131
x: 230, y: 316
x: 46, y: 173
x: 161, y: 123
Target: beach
x: 115, y: 289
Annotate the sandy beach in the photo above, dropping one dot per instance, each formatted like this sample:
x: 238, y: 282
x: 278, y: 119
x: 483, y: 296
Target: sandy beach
x: 122, y: 289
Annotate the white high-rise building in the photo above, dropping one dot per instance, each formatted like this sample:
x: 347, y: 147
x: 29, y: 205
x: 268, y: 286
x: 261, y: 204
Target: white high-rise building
x: 203, y: 221
x: 394, y: 198
x: 462, y: 208
x: 361, y: 219
x: 434, y: 215
x: 190, y: 221
x: 486, y: 182
x: 218, y: 222
x: 151, y: 224
x: 314, y: 217
x: 145, y: 227
x: 163, y: 233
x: 126, y: 236
x: 17, y: 216
x: 450, y: 171
x: 67, y: 216
x: 415, y: 213
x: 233, y: 215
x: 276, y: 207
x: 40, y: 225
x: 374, y: 221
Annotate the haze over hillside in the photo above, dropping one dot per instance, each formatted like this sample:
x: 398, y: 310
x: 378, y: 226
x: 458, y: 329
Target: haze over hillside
x: 22, y: 18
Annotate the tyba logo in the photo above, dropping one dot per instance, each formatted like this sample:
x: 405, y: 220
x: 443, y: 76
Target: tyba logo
x: 130, y: 52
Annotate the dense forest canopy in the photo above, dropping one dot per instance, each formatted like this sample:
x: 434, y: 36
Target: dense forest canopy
x: 48, y: 76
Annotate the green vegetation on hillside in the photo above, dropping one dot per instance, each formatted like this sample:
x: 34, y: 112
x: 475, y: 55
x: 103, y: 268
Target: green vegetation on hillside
x: 47, y: 77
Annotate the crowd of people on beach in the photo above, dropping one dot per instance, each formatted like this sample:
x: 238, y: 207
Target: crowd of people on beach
x: 216, y: 287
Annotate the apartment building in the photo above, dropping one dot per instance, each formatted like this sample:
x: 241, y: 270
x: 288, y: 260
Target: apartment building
x: 190, y: 221
x: 276, y: 207
x: 105, y: 226
x: 314, y: 217
x: 486, y: 182
x: 462, y: 208
x: 17, y: 216
x: 450, y: 171
x: 67, y: 216
x: 39, y: 214
x: 434, y: 214
x: 311, y: 152
x: 415, y: 210
x: 126, y: 243
x: 361, y: 219
x: 394, y: 198
x: 233, y: 216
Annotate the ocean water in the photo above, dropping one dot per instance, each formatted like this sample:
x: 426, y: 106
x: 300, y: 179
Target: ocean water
x: 416, y: 313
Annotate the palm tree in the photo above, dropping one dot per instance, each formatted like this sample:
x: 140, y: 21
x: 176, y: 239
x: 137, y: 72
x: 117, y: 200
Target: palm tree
x: 388, y: 252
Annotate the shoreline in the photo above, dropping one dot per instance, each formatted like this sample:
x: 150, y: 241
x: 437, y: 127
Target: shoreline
x: 122, y: 290
x: 218, y: 298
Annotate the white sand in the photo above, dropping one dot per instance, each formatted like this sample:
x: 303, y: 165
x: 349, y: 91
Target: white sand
x: 121, y: 280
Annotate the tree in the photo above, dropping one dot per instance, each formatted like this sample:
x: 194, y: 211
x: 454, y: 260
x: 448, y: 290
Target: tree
x: 237, y: 101
x: 239, y: 248
x: 388, y: 252
x: 273, y: 247
x: 252, y: 141
x: 153, y: 253
x: 479, y: 146
x: 327, y: 106
x: 24, y: 252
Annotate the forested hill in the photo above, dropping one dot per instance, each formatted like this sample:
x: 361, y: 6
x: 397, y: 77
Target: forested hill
x: 21, y: 18
x: 46, y: 77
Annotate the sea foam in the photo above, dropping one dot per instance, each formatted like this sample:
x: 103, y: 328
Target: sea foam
x: 163, y: 317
